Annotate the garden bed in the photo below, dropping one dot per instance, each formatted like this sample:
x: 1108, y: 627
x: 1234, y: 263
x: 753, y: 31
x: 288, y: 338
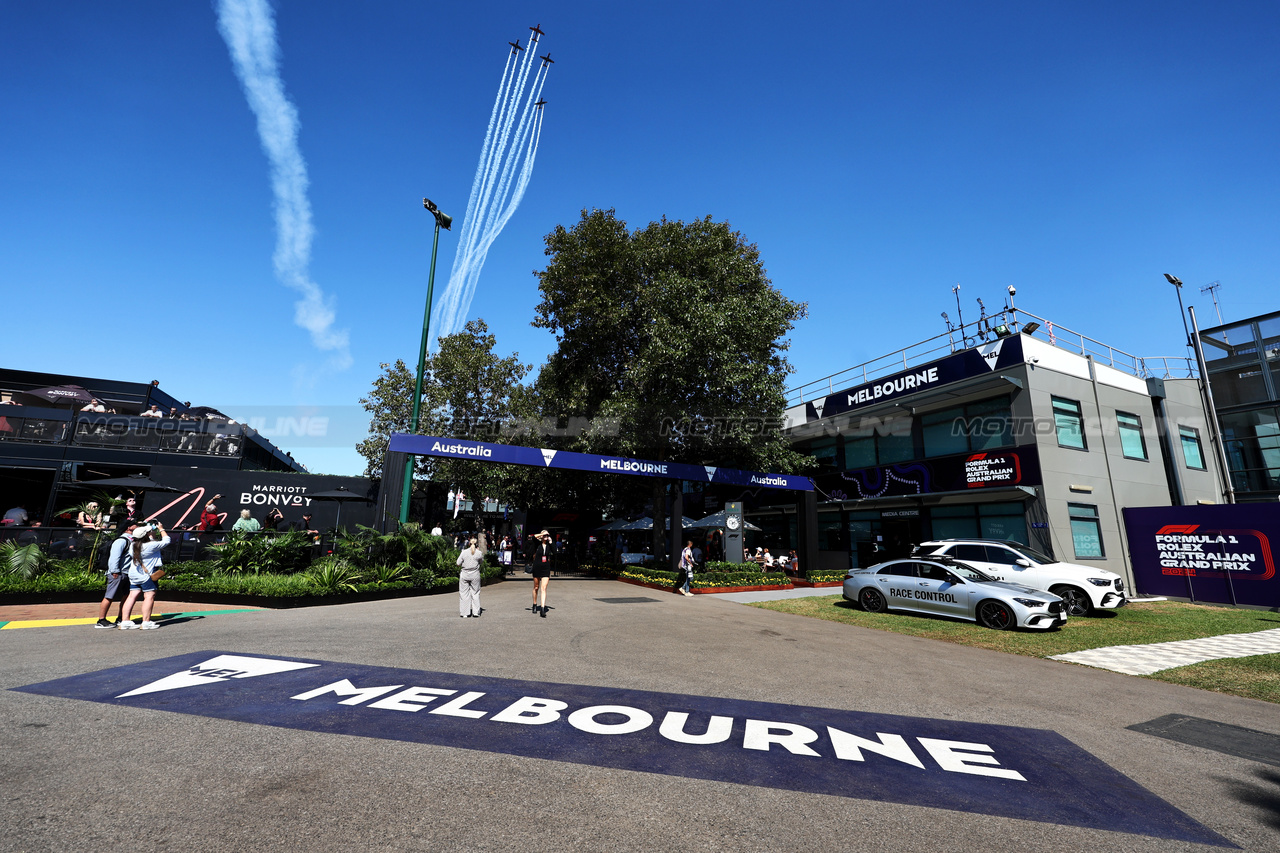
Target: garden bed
x: 706, y: 590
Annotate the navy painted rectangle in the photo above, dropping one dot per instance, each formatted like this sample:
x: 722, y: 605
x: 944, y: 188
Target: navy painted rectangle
x: 538, y: 457
x: 1035, y: 774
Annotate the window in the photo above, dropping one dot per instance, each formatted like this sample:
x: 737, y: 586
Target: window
x: 1192, y: 452
x: 984, y: 425
x: 1069, y: 421
x: 1003, y: 556
x: 906, y: 570
x: 1132, y: 444
x: 1086, y: 531
x: 1003, y: 521
x: 970, y: 552
x: 824, y: 450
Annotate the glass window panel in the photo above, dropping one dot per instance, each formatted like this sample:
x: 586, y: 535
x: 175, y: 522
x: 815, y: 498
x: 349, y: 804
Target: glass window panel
x: 1237, y: 387
x: 1004, y: 527
x: 1069, y: 421
x: 894, y: 442
x: 824, y: 450
x: 944, y: 432
x: 1086, y: 531
x: 1003, y: 556
x: 1132, y: 444
x: 1192, y: 452
x: 969, y: 552
x: 954, y: 528
x: 860, y: 453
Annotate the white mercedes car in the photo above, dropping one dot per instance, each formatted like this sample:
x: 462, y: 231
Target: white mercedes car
x: 944, y: 587
x: 1083, y: 588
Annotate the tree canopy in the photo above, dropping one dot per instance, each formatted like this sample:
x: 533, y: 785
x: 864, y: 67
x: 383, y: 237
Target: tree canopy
x: 671, y: 338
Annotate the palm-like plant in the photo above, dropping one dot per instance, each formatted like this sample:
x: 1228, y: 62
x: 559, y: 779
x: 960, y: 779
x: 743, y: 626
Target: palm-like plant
x: 26, y: 561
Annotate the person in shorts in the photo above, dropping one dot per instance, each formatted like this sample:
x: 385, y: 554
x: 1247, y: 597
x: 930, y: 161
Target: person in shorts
x: 144, y: 561
x: 117, y: 576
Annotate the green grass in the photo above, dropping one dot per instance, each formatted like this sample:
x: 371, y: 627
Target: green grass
x: 1156, y: 622
x: 1256, y: 677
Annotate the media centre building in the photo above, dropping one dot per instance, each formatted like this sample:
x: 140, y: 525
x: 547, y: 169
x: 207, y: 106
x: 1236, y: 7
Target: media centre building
x: 1041, y: 436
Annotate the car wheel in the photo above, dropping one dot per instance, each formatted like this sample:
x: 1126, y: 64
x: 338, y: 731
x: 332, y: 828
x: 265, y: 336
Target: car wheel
x: 995, y: 615
x: 872, y: 601
x: 1075, y: 601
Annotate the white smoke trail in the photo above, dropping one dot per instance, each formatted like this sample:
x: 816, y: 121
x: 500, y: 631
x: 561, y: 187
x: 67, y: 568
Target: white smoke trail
x: 248, y: 28
x: 502, y: 176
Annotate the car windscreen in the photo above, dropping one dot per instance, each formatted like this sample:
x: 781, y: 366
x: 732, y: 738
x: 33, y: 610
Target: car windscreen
x: 968, y: 572
x: 1033, y: 555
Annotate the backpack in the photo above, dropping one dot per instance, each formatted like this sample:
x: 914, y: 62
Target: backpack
x: 126, y: 556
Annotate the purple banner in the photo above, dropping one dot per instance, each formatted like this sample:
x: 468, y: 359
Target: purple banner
x: 1220, y: 553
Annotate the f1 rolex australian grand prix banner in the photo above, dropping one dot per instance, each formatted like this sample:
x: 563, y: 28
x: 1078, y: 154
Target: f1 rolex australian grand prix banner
x: 540, y: 457
x: 989, y: 469
x: 989, y: 357
x: 1222, y: 553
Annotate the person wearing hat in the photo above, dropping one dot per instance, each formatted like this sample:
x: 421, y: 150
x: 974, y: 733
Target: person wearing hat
x: 144, y: 569
x: 117, y: 576
x: 544, y: 560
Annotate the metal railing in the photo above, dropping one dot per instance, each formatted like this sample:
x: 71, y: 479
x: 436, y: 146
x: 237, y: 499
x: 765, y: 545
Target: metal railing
x: 984, y: 330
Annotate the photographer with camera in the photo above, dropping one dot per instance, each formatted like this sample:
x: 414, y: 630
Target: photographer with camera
x: 144, y: 571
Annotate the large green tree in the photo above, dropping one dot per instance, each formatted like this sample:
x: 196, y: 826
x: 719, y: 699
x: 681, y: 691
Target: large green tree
x: 467, y: 392
x: 672, y: 340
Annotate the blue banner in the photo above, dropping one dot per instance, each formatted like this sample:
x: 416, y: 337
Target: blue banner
x: 1218, y: 553
x: 538, y: 457
x: 1008, y: 771
x: 981, y: 360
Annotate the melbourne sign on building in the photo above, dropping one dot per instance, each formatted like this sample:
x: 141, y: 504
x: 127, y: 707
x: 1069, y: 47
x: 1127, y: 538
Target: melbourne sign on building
x: 1207, y: 553
x: 978, y: 361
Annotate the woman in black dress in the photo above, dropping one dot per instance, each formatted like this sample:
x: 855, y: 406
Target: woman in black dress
x: 544, y: 560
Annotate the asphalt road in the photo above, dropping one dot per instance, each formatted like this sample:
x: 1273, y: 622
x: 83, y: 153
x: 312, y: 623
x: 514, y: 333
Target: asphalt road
x: 93, y: 775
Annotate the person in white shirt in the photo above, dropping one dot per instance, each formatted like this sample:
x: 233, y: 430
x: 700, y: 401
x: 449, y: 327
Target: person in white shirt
x: 144, y: 568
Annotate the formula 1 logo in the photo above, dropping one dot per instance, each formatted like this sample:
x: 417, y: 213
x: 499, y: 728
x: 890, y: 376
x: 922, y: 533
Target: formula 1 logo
x: 220, y: 668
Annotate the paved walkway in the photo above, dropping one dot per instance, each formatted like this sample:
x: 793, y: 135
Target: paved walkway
x: 1153, y: 657
x: 86, y: 613
x: 773, y: 594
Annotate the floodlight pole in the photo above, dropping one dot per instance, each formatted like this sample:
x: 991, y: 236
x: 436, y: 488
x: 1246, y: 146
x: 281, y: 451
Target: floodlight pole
x: 445, y: 220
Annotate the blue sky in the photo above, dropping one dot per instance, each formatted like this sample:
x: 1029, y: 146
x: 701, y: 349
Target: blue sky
x: 878, y: 154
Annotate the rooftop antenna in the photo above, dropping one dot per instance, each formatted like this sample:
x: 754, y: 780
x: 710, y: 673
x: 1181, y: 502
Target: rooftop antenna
x: 1212, y: 289
x: 950, y: 339
x: 984, y: 327
x: 959, y: 313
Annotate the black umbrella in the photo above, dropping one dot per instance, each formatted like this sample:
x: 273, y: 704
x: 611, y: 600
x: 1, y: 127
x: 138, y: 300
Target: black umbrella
x: 62, y: 395
x: 208, y: 412
x: 341, y: 495
x: 133, y: 481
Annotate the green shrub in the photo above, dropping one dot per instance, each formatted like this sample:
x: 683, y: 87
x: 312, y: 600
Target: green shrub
x: 827, y: 576
x: 333, y: 575
x: 24, y: 561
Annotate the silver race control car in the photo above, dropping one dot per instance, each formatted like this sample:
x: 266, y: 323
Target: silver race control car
x: 945, y: 587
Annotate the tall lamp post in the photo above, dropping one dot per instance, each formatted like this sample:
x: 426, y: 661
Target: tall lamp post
x: 443, y: 220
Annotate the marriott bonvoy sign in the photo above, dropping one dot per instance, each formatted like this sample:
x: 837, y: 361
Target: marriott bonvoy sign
x: 1007, y: 771
x: 541, y: 457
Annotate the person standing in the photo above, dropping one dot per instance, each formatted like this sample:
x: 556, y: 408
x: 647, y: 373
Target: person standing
x: 117, y: 576
x: 246, y: 523
x: 544, y: 560
x: 209, y: 520
x: 144, y: 562
x: 471, y: 560
x: 687, y: 566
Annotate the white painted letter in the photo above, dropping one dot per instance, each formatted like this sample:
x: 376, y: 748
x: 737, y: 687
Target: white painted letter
x: 850, y: 747
x: 958, y: 757
x: 584, y: 719
x: 760, y: 734
x: 534, y: 712
x: 411, y: 698
x: 346, y: 688
x: 672, y: 728
x: 454, y: 707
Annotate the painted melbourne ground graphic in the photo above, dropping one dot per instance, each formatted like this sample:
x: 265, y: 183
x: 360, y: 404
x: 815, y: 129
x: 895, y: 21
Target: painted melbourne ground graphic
x: 1007, y: 771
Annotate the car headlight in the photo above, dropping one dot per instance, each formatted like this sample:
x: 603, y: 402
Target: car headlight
x: 1100, y: 581
x: 1030, y: 602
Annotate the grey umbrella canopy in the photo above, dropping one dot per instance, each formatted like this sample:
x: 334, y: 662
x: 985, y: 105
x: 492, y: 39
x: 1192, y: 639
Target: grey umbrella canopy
x: 616, y: 524
x: 62, y: 395
x: 340, y: 495
x: 646, y: 523
x: 717, y: 519
x: 133, y: 481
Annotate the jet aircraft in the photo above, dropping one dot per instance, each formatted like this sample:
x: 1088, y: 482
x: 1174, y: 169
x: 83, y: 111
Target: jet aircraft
x: 540, y: 103
x: 515, y: 46
x: 538, y: 30
x: 547, y: 60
